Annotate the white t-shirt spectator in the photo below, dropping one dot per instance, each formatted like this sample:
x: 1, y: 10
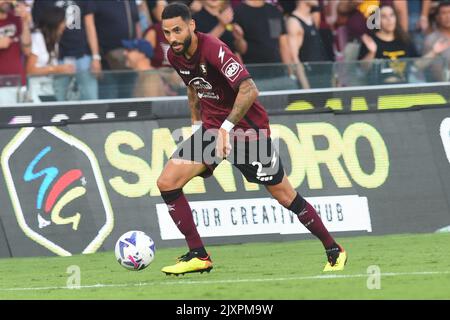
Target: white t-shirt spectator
x: 39, y: 49
x: 41, y: 85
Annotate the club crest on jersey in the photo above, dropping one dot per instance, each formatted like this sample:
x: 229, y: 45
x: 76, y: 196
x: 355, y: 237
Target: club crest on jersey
x: 232, y: 69
x: 203, y: 69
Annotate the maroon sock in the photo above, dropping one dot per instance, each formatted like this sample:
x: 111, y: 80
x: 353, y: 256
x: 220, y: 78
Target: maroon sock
x: 311, y: 220
x: 181, y: 214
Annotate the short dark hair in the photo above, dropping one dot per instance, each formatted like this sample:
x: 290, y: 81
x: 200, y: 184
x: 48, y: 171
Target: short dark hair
x: 177, y: 9
x: 442, y: 4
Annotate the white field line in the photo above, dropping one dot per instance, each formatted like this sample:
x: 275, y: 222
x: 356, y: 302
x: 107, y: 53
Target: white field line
x: 232, y: 281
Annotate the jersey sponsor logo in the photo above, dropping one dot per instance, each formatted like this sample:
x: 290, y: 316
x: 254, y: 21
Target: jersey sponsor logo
x: 232, y: 69
x: 208, y: 95
x: 200, y: 84
x: 185, y: 72
x: 203, y: 88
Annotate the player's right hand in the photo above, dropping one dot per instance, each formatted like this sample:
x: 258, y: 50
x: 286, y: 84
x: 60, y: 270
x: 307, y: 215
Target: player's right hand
x: 223, y: 146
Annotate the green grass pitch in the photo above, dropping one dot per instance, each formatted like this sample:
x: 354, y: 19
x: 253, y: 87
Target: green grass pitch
x: 412, y: 267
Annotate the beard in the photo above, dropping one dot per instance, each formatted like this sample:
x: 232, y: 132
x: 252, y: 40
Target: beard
x: 186, y: 44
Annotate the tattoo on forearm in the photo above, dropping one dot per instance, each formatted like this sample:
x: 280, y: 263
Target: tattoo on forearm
x: 194, y: 104
x: 244, y: 100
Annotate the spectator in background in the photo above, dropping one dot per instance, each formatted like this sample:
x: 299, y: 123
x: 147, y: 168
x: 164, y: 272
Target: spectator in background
x: 261, y: 37
x: 75, y: 47
x: 433, y: 12
x: 195, y: 5
x: 216, y: 18
x: 155, y: 35
x: 414, y: 18
x: 441, y: 34
x: 145, y: 19
x: 388, y: 42
x: 324, y: 16
x: 138, y: 56
x: 114, y: 21
x: 392, y: 42
x: 306, y: 46
x: 287, y: 6
x: 260, y: 33
x: 15, y: 39
x: 327, y: 17
x: 155, y: 8
x: 43, y: 59
x: 235, y: 3
x: 358, y: 11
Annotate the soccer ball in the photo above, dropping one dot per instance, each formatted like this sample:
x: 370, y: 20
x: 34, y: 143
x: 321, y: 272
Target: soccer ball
x: 135, y: 250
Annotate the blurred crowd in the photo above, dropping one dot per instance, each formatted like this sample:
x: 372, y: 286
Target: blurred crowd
x: 84, y: 44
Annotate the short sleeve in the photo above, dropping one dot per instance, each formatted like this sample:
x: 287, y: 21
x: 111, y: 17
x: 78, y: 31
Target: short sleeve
x: 91, y: 7
x: 412, y: 51
x: 362, y: 51
x: 283, y: 24
x: 88, y: 7
x: 39, y: 49
x: 227, y: 63
x: 36, y: 43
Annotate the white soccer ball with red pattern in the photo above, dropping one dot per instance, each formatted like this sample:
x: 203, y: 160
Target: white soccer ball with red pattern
x: 135, y: 250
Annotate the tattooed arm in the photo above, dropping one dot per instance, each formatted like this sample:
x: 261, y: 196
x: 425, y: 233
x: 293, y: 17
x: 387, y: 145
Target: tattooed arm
x: 246, y: 96
x: 244, y: 100
x: 194, y: 105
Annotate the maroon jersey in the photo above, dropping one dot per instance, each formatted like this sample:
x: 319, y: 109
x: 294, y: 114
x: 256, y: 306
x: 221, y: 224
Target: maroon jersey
x: 216, y: 73
x: 162, y: 46
x: 11, y: 58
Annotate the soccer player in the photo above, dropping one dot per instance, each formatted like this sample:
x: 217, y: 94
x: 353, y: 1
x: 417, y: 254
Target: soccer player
x: 223, y: 100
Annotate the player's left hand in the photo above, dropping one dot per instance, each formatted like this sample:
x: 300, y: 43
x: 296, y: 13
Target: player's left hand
x: 223, y: 146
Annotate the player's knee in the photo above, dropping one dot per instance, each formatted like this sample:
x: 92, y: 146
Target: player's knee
x: 165, y: 184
